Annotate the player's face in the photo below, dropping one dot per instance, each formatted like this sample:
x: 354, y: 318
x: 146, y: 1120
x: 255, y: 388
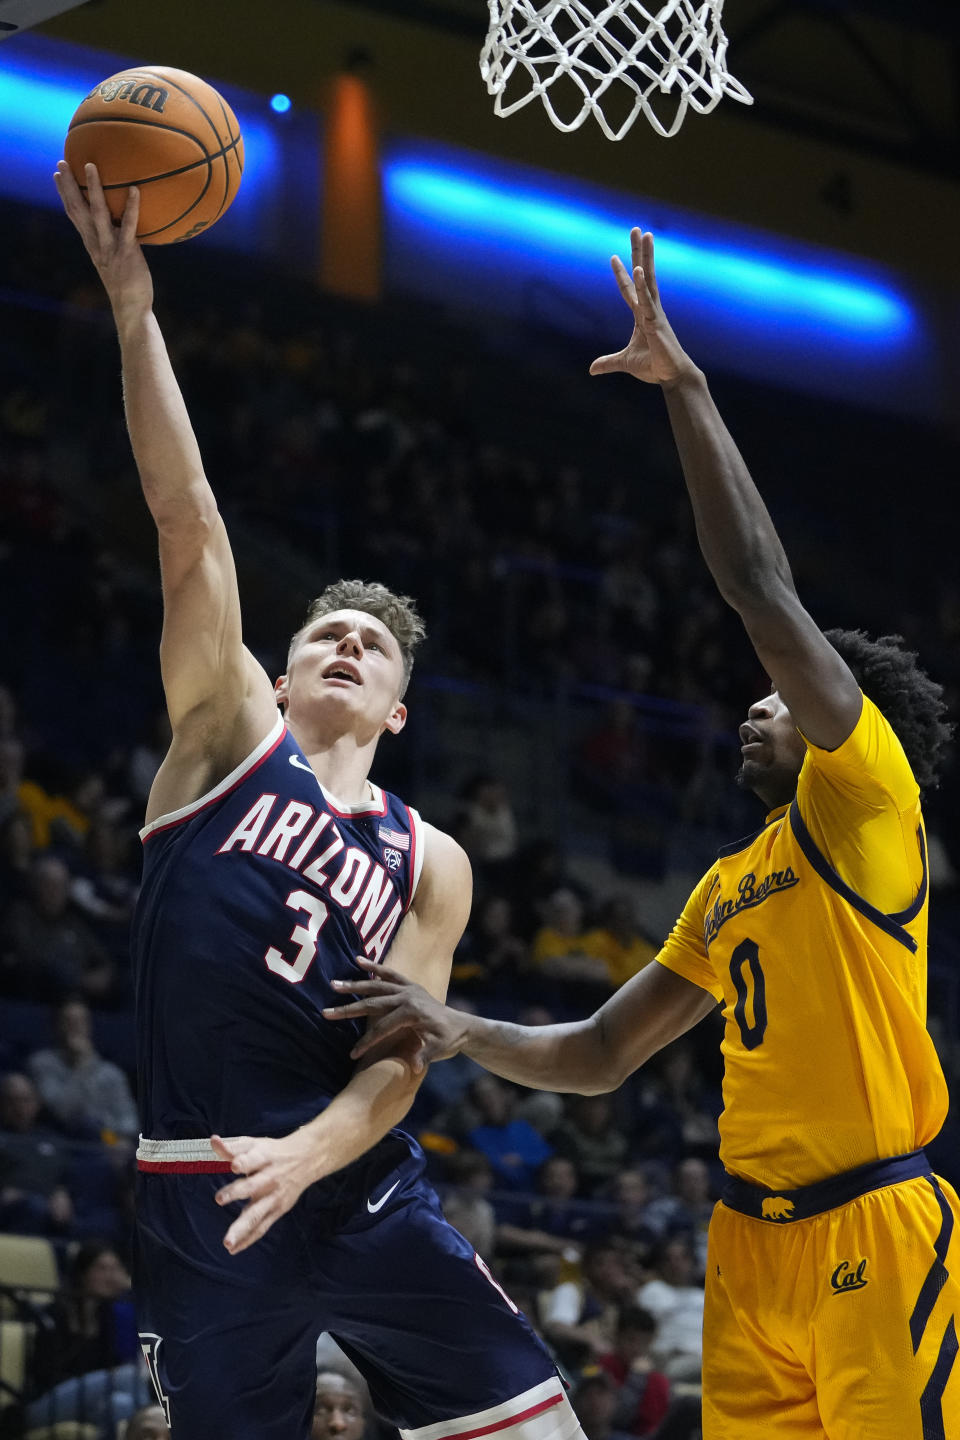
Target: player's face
x: 338, y: 1414
x: 350, y: 663
x: 772, y: 751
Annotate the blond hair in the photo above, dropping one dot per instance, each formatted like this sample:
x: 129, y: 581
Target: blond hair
x: 398, y: 612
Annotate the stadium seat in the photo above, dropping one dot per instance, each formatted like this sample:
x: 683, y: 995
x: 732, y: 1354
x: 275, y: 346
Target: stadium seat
x: 28, y: 1264
x: 14, y: 1342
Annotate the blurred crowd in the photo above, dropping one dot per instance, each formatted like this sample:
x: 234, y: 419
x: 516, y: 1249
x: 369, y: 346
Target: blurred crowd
x: 379, y: 443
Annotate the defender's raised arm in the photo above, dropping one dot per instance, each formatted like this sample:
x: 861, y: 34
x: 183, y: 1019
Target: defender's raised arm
x: 220, y: 701
x: 734, y: 528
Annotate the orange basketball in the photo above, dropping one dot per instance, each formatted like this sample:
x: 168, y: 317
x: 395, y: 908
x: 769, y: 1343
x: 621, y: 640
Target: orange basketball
x: 167, y: 132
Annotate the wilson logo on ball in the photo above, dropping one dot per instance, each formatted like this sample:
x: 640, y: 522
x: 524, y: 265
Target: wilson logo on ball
x: 151, y: 97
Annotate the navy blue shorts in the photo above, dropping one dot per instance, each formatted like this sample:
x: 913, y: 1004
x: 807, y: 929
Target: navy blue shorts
x: 231, y: 1340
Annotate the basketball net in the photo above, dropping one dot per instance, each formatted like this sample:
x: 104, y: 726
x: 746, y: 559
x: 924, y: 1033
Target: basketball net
x: 608, y: 58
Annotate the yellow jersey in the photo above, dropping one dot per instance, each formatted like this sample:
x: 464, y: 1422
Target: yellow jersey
x: 812, y: 935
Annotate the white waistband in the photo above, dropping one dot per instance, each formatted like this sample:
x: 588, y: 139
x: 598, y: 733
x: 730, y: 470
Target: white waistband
x: 172, y: 1151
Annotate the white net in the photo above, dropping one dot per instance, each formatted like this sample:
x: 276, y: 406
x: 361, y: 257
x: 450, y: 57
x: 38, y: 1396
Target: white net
x: 612, y: 59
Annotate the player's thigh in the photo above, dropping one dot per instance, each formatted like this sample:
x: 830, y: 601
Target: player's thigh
x: 886, y: 1327
x: 434, y: 1335
x: 228, y: 1361
x: 755, y: 1387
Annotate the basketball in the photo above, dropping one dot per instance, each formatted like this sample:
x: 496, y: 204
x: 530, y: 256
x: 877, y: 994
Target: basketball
x: 167, y: 132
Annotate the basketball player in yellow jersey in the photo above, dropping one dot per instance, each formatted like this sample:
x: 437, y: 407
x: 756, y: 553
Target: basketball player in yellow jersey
x: 832, y: 1294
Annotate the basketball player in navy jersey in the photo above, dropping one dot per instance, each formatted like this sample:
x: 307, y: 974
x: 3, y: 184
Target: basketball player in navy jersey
x: 271, y: 863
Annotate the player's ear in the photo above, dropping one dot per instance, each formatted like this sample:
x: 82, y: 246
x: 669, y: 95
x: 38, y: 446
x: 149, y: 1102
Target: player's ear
x: 281, y: 690
x: 397, y: 718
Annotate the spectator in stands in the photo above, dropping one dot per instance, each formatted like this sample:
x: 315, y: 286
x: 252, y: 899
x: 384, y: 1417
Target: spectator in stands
x: 676, y: 1304
x: 551, y: 1219
x: 147, y: 1423
x: 580, y: 1317
x: 102, y: 889
x: 34, y: 1199
x: 618, y: 942
x: 591, y: 1138
x: 512, y: 1146
x: 493, y: 956
x: 595, y: 1401
x: 486, y: 826
x: 688, y: 1209
x: 559, y: 948
x: 86, y: 1362
x: 611, y: 756
x: 46, y: 948
x: 643, y: 1391
x: 146, y: 756
x: 465, y: 1203
x: 16, y: 856
x: 339, y: 1410
x: 86, y: 1094
x: 630, y: 1196
x: 678, y: 1111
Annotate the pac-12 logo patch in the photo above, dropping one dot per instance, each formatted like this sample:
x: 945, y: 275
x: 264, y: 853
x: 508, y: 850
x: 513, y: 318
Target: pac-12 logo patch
x: 776, y: 1207
x: 393, y: 858
x: 845, y: 1278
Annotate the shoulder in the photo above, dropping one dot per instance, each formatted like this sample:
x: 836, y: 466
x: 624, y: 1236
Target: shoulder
x: 871, y: 758
x: 445, y: 862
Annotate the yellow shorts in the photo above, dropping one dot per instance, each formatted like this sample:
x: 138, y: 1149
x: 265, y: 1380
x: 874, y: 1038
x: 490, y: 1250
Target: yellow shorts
x: 843, y: 1325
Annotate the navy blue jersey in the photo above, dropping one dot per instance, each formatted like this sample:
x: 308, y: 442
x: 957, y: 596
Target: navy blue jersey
x: 255, y: 897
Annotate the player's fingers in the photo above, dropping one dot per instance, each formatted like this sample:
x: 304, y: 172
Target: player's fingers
x: 383, y: 971
x: 131, y: 216
x: 102, y: 218
x: 647, y: 264
x: 366, y: 987
x: 71, y: 197
x: 636, y: 244
x: 357, y: 1009
x: 221, y: 1148
x: 249, y: 1187
x: 624, y: 281
x: 248, y: 1227
x: 607, y: 364
x: 646, y: 304
x: 391, y: 1024
x: 238, y: 1149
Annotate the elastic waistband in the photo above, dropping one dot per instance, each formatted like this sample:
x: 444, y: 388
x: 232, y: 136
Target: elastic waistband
x: 781, y: 1206
x: 179, y: 1157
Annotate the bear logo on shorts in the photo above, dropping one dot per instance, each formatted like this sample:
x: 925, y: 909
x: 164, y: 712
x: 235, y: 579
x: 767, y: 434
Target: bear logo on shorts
x: 776, y: 1208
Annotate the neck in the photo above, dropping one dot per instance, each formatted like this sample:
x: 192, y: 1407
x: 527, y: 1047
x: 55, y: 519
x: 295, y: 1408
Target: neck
x: 341, y: 763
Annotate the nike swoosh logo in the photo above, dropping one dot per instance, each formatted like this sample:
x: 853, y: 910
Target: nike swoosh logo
x: 374, y: 1206
x: 301, y: 764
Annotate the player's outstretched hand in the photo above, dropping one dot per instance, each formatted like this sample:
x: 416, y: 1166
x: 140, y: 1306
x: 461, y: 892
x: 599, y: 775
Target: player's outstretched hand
x: 393, y: 1004
x: 114, y: 249
x: 274, y: 1174
x: 653, y: 352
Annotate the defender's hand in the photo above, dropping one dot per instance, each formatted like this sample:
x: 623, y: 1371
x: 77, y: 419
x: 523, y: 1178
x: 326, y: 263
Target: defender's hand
x: 114, y: 249
x: 654, y: 353
x: 275, y: 1174
x: 393, y: 1004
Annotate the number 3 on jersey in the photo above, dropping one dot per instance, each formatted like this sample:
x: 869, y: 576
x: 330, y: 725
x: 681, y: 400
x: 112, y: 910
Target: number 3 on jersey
x: 747, y: 976
x: 303, y: 936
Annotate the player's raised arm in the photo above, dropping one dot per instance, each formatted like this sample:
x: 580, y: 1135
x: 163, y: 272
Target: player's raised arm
x: 214, y: 689
x: 734, y: 528
x: 586, y: 1057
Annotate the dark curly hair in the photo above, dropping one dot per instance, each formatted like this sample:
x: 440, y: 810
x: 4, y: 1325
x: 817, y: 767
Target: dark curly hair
x: 904, y: 694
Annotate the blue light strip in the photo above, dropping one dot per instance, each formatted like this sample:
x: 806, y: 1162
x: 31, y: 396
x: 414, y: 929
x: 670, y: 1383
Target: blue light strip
x: 542, y: 224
